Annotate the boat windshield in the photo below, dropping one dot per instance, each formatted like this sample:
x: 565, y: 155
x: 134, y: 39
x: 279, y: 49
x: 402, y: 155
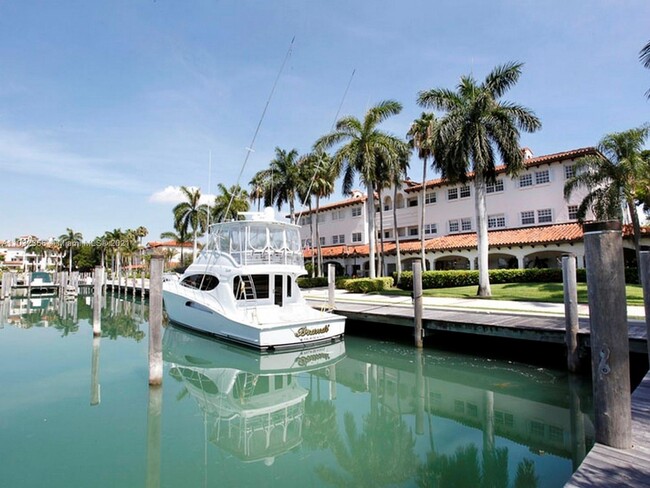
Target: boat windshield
x: 250, y: 242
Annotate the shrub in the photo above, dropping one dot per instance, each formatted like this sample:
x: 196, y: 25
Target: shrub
x: 306, y: 282
x: 367, y: 285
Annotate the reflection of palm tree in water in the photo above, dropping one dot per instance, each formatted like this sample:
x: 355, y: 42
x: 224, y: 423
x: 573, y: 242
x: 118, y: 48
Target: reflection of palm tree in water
x: 364, y: 457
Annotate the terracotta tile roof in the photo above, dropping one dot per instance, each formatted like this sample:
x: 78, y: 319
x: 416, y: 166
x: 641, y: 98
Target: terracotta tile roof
x: 168, y: 244
x: 339, y: 204
x: 528, y: 163
x: 536, y: 235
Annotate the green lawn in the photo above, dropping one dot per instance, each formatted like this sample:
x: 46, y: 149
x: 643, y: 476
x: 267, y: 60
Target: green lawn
x: 532, y: 292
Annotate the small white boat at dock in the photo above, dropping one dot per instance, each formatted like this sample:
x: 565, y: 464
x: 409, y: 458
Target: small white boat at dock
x: 242, y: 287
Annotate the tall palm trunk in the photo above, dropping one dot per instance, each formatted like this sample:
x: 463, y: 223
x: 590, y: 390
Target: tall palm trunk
x: 370, y: 208
x: 311, y: 236
x: 482, y: 238
x: 382, y: 264
x: 423, y: 203
x: 319, y: 262
x: 399, y: 257
x: 636, y: 226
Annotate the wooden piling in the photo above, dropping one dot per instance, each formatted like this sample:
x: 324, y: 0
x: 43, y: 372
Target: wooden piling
x: 610, y: 360
x: 98, y: 279
x: 28, y: 282
x: 417, y: 302
x: 645, y: 281
x: 331, y: 286
x: 155, y: 321
x: 154, y: 435
x: 571, y: 311
x: 95, y: 388
x: 4, y: 291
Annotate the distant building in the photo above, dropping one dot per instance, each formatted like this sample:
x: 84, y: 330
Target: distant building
x: 530, y: 223
x: 170, y: 250
x: 29, y: 253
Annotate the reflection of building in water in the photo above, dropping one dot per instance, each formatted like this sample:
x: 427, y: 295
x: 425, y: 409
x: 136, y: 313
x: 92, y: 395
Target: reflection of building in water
x: 29, y: 312
x: 528, y: 406
x: 253, y: 402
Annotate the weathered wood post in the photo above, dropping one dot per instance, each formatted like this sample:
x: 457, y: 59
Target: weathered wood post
x: 610, y: 361
x: 95, y: 387
x: 645, y: 279
x: 154, y: 430
x: 63, y: 284
x: 155, y: 322
x: 98, y: 279
x: 13, y: 281
x: 417, y: 301
x: 419, y: 391
x: 571, y: 311
x: 331, y: 286
x: 577, y: 422
x: 4, y: 291
x: 28, y: 280
x: 142, y: 284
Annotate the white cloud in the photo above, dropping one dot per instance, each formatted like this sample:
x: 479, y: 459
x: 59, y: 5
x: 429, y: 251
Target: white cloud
x: 174, y: 195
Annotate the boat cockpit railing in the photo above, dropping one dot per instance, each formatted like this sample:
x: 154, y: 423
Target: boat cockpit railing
x: 254, y: 243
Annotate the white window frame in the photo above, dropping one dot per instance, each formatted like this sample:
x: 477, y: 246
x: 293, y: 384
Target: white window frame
x: 546, y: 217
x: 430, y: 198
x: 496, y: 221
x: 526, y: 181
x: 453, y: 226
x: 466, y: 224
x: 543, y: 177
x: 572, y: 212
x: 430, y: 229
x: 465, y: 191
x: 569, y: 171
x: 452, y: 193
x: 527, y: 215
x: 497, y: 187
x: 356, y: 211
x: 356, y: 237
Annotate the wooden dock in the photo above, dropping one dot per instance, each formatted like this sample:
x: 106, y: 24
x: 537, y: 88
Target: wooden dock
x: 608, y: 467
x: 510, y: 325
x: 603, y: 466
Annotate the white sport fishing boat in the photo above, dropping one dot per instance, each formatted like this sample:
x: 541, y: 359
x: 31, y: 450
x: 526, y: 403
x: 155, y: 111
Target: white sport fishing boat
x: 242, y: 287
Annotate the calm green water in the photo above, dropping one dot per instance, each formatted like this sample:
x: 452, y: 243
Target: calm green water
x: 78, y: 412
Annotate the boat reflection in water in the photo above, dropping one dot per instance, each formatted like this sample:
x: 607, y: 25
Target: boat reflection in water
x: 253, y: 401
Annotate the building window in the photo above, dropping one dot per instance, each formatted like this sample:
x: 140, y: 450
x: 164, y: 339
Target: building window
x: 466, y: 224
x: 544, y: 216
x: 496, y: 187
x: 525, y: 181
x: 387, y: 234
x: 305, y: 220
x: 496, y: 221
x: 413, y: 231
x: 356, y: 237
x: 430, y: 229
x: 430, y: 197
x: 452, y: 194
x: 338, y: 214
x: 413, y: 202
x: 573, y: 212
x: 569, y: 171
x: 322, y: 241
x: 542, y: 177
x: 321, y: 218
x: 401, y: 232
x: 465, y: 192
x: 527, y: 217
x: 356, y: 211
x: 453, y: 226
x: 335, y: 239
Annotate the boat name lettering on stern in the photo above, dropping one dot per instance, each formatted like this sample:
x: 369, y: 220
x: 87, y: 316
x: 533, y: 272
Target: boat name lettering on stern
x: 304, y: 331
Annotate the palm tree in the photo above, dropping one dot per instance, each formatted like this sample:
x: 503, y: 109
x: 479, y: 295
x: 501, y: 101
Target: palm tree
x: 69, y: 240
x: 37, y: 248
x: 396, y: 173
x: 180, y: 238
x: 229, y: 202
x: 318, y: 175
x: 285, y: 179
x: 421, y: 138
x: 612, y: 178
x: 258, y: 186
x: 363, y: 143
x: 191, y: 214
x: 476, y: 126
x: 644, y: 56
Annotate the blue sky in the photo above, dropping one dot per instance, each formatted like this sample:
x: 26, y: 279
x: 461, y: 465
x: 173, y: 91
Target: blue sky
x: 107, y: 106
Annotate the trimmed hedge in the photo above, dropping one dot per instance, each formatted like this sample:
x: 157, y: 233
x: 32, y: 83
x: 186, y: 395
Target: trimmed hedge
x: 449, y: 279
x: 367, y: 285
x: 305, y: 282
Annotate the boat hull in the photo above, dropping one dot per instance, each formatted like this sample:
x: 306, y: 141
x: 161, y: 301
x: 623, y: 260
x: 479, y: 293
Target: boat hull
x: 302, y: 326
